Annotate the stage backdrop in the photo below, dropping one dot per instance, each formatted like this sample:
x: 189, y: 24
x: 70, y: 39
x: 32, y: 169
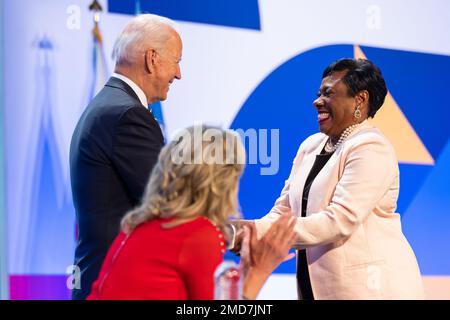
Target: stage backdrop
x: 251, y: 65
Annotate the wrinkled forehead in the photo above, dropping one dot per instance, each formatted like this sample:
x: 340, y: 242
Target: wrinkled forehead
x: 174, y: 44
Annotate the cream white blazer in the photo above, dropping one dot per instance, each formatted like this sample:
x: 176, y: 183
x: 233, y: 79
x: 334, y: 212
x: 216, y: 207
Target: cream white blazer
x: 353, y: 238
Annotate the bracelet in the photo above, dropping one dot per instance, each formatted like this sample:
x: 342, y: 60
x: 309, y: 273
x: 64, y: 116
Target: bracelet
x: 233, y: 238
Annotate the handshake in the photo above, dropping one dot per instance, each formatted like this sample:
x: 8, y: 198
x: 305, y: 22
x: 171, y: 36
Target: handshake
x: 259, y: 257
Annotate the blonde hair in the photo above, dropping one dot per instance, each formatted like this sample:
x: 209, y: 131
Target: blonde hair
x: 203, y: 183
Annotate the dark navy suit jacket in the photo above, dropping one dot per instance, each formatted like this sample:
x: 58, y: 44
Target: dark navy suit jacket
x: 114, y: 147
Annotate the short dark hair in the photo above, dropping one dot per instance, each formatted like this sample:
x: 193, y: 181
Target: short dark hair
x: 361, y: 75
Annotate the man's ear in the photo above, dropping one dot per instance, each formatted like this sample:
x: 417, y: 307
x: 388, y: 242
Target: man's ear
x: 150, y: 60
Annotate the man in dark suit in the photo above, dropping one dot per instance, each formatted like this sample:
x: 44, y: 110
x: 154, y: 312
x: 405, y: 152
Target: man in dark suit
x: 117, y: 140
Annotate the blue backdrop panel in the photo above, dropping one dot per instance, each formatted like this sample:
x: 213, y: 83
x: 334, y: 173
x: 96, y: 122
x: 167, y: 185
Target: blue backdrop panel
x: 230, y: 13
x: 417, y: 82
x: 427, y: 222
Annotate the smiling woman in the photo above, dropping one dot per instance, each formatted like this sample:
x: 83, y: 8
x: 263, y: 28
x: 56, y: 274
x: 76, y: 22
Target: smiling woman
x: 343, y: 189
x: 348, y: 95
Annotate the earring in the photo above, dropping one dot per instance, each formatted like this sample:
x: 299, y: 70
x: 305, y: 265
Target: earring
x: 357, y: 113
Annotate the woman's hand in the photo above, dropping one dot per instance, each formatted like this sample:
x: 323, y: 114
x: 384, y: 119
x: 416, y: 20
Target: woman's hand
x: 260, y: 258
x: 239, y: 234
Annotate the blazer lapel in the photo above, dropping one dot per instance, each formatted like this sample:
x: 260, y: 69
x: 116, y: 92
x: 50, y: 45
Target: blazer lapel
x: 299, y: 178
x: 313, y: 202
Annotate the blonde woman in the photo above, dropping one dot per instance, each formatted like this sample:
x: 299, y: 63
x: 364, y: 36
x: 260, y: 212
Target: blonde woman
x: 172, y: 243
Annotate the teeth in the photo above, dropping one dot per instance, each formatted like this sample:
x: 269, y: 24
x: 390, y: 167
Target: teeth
x: 323, y: 116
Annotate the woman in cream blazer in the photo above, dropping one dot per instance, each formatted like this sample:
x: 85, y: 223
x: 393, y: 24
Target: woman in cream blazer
x: 354, y: 244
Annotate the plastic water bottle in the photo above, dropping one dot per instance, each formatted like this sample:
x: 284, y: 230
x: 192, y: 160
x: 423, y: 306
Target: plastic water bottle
x: 227, y: 280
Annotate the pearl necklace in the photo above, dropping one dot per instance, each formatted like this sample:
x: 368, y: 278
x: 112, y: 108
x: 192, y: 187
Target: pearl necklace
x: 330, y: 147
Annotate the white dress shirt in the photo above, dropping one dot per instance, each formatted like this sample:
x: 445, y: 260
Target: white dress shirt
x: 134, y: 86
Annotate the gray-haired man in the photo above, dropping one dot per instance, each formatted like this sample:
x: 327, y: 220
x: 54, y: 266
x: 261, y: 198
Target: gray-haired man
x: 117, y: 140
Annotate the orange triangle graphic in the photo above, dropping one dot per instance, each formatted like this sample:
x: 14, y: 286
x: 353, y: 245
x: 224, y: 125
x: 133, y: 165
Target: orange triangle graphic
x: 396, y: 127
